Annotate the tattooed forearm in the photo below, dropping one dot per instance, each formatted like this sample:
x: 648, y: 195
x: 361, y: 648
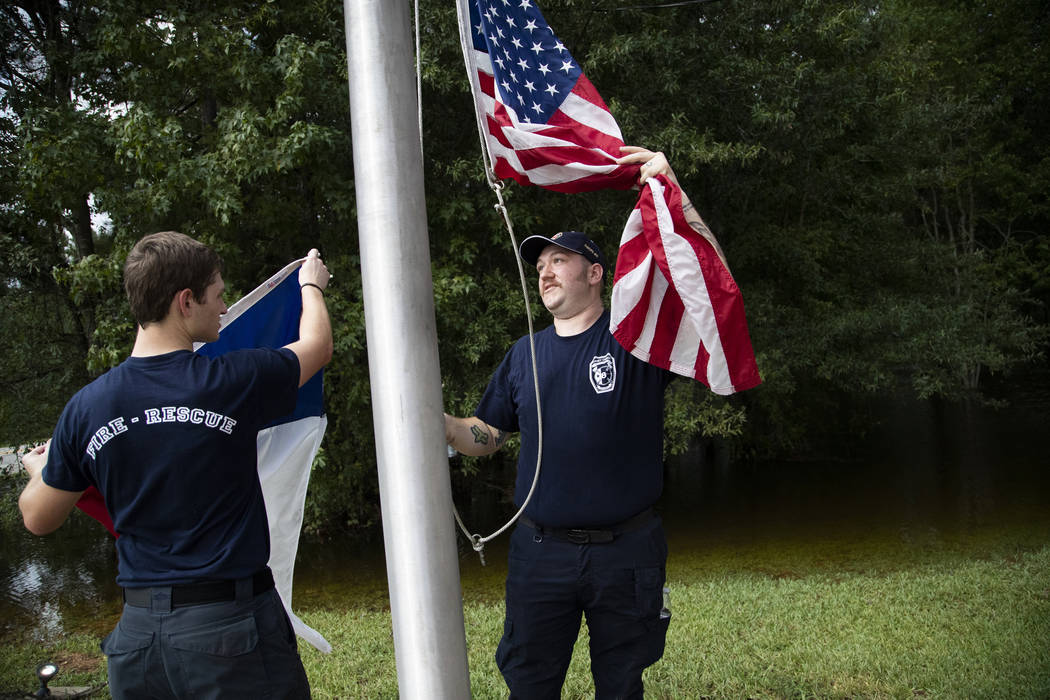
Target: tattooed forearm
x: 481, y: 436
x: 692, y: 217
x: 699, y: 226
x: 501, y: 437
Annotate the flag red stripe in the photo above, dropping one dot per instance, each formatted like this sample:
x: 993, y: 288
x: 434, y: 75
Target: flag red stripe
x: 632, y: 325
x: 668, y: 320
x: 735, y: 359
x: 726, y: 301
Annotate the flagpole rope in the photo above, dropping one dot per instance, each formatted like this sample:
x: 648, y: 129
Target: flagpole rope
x: 419, y: 82
x: 476, y: 540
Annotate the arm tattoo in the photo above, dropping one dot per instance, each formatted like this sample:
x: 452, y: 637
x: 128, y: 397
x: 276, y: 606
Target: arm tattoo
x: 700, y: 228
x: 481, y: 436
x: 687, y: 206
x: 501, y: 437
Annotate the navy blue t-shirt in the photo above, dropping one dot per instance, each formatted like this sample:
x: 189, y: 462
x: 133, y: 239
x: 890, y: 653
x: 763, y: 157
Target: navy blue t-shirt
x: 170, y: 442
x: 602, y: 420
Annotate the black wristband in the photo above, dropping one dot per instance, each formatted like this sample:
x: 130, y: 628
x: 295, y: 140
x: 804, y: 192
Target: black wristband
x: 311, y: 284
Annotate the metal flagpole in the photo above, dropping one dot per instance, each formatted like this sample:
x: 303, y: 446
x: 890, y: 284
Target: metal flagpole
x: 422, y: 564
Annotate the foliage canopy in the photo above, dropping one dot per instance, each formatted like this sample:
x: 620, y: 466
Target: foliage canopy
x: 877, y: 173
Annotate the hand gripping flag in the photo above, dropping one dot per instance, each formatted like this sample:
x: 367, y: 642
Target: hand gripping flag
x: 544, y: 122
x: 269, y: 317
x: 675, y: 304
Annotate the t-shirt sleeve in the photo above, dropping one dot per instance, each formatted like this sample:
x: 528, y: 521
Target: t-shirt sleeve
x: 64, y: 469
x: 497, y: 406
x: 276, y: 383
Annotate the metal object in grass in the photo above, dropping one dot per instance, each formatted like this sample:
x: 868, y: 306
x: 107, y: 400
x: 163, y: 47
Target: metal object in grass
x: 45, y: 672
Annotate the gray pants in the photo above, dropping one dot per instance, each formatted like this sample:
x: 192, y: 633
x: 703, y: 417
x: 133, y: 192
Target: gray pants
x: 239, y: 649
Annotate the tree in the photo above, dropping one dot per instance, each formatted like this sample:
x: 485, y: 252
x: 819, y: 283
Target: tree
x: 877, y: 174
x: 50, y: 154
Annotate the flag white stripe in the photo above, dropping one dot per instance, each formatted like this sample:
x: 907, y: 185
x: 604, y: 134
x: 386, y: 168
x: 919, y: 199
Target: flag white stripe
x: 548, y: 174
x: 590, y: 115
x: 652, y: 314
x: 689, y: 281
x: 628, y: 289
x: 523, y: 140
x: 685, y: 350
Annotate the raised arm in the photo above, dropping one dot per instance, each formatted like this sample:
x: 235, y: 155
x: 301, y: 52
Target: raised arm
x: 472, y: 436
x: 44, y: 508
x: 314, y: 347
x: 655, y: 163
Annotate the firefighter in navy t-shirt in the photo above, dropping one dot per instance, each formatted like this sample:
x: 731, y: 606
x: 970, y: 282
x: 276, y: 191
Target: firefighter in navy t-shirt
x: 169, y: 439
x: 589, y: 542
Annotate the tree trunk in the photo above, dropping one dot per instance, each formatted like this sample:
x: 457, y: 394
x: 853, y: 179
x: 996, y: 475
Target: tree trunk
x: 83, y: 236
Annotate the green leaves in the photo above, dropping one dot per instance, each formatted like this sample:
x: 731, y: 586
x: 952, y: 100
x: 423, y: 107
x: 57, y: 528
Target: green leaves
x: 877, y: 175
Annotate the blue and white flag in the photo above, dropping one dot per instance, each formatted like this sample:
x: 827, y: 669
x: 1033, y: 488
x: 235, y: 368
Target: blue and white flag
x: 268, y: 317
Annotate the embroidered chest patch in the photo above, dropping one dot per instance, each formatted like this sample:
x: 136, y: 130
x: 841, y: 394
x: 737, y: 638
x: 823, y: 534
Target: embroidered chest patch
x: 603, y: 373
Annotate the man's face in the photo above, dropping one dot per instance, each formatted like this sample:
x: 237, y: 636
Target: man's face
x: 565, y: 281
x: 207, y: 312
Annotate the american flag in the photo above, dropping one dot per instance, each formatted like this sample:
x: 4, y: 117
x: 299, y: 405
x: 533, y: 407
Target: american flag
x: 674, y: 303
x: 544, y: 122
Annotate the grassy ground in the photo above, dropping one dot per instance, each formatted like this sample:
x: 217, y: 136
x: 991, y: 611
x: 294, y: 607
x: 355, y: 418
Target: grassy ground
x: 929, y: 619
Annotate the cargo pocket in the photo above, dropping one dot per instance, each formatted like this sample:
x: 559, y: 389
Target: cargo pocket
x: 506, y: 645
x: 222, y: 654
x: 649, y: 592
x: 126, y: 659
x: 649, y: 598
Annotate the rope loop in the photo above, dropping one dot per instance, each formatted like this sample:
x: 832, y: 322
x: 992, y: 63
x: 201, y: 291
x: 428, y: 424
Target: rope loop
x: 478, y: 543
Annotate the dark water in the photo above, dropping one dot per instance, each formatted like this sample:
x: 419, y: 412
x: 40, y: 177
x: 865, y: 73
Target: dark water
x: 923, y: 477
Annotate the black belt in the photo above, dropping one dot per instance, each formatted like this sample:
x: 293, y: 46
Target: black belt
x: 591, y: 536
x: 201, y: 593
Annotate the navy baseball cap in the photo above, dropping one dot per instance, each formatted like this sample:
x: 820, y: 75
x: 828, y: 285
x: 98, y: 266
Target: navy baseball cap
x: 577, y: 242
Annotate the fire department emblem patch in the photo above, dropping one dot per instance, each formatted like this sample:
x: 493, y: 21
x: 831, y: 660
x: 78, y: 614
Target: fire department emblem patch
x: 603, y: 373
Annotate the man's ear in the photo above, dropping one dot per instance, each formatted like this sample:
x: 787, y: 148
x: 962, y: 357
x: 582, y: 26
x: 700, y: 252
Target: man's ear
x: 596, y: 272
x: 182, y: 301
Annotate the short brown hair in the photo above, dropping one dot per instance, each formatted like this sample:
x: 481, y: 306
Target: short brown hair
x: 161, y: 265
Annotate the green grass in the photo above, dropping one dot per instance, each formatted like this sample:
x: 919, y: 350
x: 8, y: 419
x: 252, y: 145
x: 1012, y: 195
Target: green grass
x: 930, y: 620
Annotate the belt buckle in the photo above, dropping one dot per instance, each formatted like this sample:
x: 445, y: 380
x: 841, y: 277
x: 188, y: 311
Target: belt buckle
x: 578, y: 536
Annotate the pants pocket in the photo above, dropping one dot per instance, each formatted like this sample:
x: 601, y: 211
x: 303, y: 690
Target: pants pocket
x: 221, y: 655
x: 126, y: 656
x: 649, y: 598
x: 506, y: 643
x: 649, y: 592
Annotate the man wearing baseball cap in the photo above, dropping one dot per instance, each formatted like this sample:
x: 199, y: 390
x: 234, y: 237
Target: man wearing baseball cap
x: 589, y: 542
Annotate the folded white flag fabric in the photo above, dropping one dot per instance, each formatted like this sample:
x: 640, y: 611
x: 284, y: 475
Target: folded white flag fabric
x: 269, y: 317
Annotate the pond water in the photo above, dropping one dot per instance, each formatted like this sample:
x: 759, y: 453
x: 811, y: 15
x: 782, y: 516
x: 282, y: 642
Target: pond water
x: 926, y: 475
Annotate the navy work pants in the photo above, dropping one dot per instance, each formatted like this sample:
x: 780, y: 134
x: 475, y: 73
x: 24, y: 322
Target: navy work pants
x: 551, y: 584
x: 243, y: 648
